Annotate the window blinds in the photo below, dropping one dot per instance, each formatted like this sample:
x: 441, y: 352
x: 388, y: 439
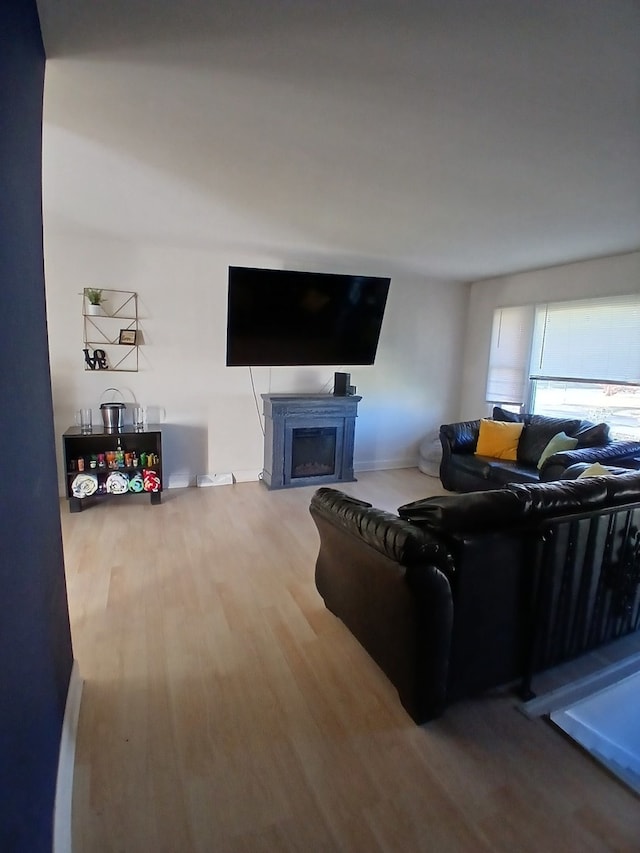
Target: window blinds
x: 509, y: 356
x: 596, y: 340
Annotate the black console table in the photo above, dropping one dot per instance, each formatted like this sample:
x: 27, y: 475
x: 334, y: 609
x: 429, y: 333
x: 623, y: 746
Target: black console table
x: 133, y: 455
x: 308, y: 439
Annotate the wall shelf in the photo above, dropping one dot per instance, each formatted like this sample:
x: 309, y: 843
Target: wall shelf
x: 101, y: 331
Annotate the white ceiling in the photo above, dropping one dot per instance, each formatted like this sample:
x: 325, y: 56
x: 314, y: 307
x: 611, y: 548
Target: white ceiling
x: 459, y: 138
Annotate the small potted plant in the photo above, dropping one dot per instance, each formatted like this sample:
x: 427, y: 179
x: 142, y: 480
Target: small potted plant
x: 95, y: 299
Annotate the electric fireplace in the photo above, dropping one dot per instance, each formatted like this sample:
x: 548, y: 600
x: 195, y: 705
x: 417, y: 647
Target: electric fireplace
x: 308, y: 439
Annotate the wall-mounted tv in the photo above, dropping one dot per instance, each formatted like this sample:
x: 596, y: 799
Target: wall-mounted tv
x: 286, y: 317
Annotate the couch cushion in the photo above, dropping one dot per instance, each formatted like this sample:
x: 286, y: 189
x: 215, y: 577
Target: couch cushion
x: 538, y: 433
x: 520, y: 503
x: 479, y: 466
x: 503, y: 472
x: 593, y: 436
x: 465, y: 513
x: 624, y: 488
x: 560, y: 441
x: 498, y: 439
x: 561, y: 496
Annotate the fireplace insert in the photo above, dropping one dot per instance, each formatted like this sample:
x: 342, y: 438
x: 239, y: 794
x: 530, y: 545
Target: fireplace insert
x: 313, y: 451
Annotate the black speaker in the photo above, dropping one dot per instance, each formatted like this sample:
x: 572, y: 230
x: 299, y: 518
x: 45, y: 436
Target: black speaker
x: 341, y: 382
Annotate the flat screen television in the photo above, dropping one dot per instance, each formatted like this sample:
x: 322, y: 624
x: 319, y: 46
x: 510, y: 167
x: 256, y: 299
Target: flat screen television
x: 286, y: 317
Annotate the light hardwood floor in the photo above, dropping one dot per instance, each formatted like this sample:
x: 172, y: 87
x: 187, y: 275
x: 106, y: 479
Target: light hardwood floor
x: 225, y: 709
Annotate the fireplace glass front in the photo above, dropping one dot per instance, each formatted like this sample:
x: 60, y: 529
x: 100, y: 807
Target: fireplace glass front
x: 313, y: 452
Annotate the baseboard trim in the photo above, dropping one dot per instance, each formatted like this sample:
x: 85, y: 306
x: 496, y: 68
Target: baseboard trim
x: 62, y: 842
x: 178, y: 481
x: 384, y: 464
x: 248, y: 475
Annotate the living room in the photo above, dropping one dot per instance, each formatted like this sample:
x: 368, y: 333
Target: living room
x: 165, y: 160
x: 162, y: 166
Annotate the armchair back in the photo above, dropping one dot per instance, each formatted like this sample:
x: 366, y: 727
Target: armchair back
x: 461, y: 593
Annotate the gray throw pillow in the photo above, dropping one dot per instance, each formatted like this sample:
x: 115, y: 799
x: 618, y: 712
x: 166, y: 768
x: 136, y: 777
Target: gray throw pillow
x: 538, y: 433
x: 594, y: 436
x: 500, y: 414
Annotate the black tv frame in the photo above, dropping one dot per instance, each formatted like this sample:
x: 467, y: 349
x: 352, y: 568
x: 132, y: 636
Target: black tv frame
x: 293, y: 318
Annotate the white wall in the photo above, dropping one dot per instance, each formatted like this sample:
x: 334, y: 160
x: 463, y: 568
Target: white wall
x: 619, y: 274
x: 165, y: 163
x: 212, y: 134
x: 211, y: 424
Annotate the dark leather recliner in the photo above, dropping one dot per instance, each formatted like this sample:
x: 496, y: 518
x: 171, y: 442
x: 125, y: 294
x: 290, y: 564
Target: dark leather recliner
x: 461, y: 593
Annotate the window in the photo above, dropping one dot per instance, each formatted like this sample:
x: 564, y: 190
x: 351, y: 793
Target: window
x: 593, y: 340
x: 508, y: 374
x: 579, y: 358
x: 617, y: 405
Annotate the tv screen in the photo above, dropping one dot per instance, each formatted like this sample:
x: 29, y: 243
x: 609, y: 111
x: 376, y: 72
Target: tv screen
x: 285, y: 317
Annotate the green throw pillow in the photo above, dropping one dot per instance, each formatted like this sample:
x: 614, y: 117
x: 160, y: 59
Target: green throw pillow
x: 560, y: 441
x: 595, y: 470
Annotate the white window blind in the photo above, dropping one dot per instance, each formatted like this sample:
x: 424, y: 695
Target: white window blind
x: 596, y: 340
x: 509, y: 357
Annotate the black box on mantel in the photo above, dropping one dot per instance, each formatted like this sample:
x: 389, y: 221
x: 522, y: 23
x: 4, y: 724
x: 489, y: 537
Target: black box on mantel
x: 341, y: 384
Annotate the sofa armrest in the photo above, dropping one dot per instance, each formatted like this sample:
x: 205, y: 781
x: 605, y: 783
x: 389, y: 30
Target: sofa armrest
x: 390, y: 535
x: 616, y: 451
x: 461, y: 437
x: 373, y: 572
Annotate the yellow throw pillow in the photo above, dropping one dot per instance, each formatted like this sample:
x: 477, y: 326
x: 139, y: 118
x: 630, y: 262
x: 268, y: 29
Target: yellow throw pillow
x: 499, y: 439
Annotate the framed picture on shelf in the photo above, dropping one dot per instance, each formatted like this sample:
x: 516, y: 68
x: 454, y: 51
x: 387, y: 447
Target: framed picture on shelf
x: 127, y: 336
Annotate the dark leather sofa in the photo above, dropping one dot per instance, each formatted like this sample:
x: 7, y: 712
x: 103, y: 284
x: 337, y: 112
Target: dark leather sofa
x: 461, y: 593
x: 462, y: 471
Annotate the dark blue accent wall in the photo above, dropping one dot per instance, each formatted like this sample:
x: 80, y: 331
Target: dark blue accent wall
x: 35, y: 642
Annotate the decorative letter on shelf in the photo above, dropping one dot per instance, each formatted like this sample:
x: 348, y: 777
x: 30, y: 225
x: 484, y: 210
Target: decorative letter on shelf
x: 98, y: 360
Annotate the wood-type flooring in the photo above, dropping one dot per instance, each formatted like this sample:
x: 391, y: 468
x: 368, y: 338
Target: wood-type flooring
x: 225, y: 709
